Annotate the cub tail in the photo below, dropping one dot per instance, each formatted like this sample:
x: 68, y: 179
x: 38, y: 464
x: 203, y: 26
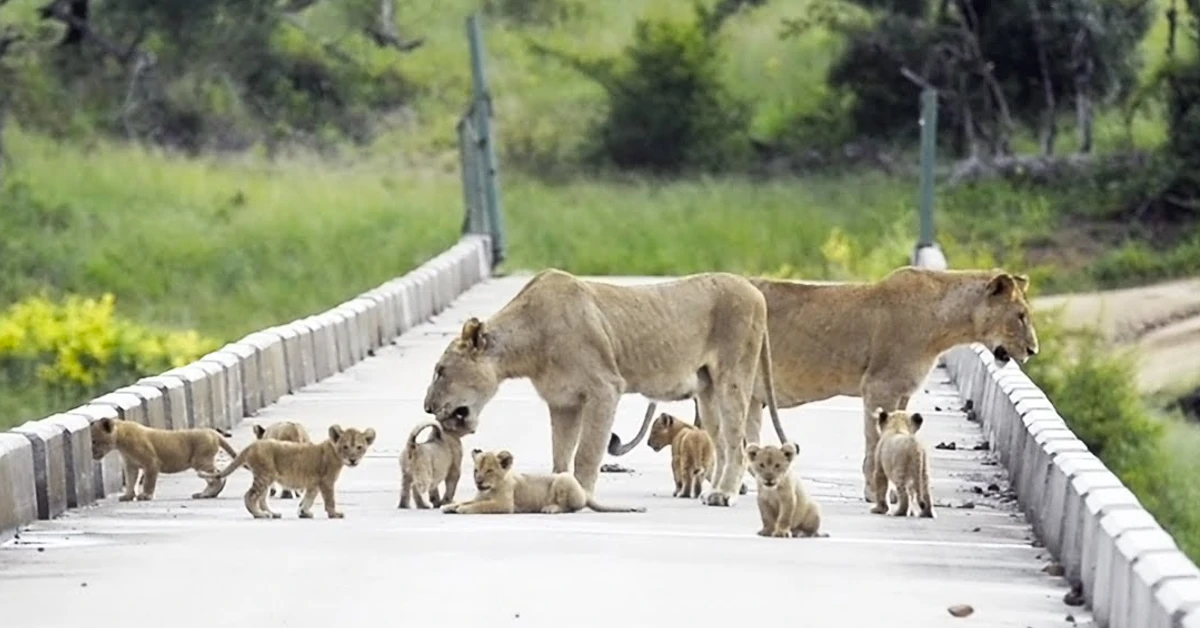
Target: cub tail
x: 411, y: 445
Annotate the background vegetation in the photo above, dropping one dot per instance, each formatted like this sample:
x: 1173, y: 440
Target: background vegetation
x: 200, y: 161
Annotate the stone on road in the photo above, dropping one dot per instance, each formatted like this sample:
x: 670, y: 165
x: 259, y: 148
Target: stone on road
x: 183, y: 563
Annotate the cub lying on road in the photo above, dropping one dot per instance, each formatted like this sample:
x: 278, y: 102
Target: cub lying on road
x: 314, y: 467
x: 504, y: 491
x: 153, y: 451
x: 423, y: 466
x: 783, y: 504
x: 692, y: 453
x: 283, y: 430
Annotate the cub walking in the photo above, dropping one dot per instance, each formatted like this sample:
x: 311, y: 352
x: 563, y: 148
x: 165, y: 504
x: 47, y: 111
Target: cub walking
x: 902, y: 460
x: 692, y: 452
x: 423, y: 466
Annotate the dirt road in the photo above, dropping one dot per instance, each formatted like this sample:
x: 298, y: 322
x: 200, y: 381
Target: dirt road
x: 1162, y: 320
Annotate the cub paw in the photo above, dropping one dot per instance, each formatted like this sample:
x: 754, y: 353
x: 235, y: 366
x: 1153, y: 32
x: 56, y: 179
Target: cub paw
x: 782, y: 534
x: 450, y: 509
x: 880, y: 509
x: 276, y: 515
x: 144, y: 497
x: 333, y: 514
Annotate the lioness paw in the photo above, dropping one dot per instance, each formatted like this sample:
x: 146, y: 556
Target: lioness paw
x: 717, y: 498
x: 333, y: 514
x: 880, y: 509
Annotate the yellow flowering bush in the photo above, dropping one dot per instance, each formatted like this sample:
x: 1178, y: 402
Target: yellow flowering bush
x: 79, y: 347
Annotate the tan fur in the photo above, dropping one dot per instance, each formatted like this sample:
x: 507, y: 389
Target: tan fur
x: 500, y: 490
x: 902, y: 460
x: 287, y: 431
x: 152, y: 451
x: 692, y: 452
x: 312, y: 466
x: 423, y: 466
x: 584, y: 344
x: 879, y: 340
x: 783, y: 504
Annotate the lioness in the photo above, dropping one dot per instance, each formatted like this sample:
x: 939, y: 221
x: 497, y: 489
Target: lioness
x: 879, y: 340
x: 312, y: 466
x: 585, y: 343
x: 692, y: 452
x: 423, y: 466
x: 152, y: 451
x: 902, y: 460
x: 502, y: 491
x: 783, y: 504
x: 283, y: 430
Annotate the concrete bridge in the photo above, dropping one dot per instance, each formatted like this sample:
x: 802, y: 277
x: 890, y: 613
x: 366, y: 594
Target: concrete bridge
x: 1027, y: 518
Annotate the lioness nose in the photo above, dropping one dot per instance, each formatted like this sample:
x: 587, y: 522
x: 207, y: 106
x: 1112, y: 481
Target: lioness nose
x: 1032, y: 351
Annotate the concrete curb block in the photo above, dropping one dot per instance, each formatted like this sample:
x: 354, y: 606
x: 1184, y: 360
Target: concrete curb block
x: 48, y: 463
x: 49, y: 466
x: 1132, y: 573
x: 18, y: 500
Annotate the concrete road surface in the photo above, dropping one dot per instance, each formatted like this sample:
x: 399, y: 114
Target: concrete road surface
x: 182, y: 563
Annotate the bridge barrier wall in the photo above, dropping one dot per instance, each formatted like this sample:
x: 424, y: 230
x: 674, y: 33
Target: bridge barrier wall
x: 1132, y: 573
x: 46, y: 466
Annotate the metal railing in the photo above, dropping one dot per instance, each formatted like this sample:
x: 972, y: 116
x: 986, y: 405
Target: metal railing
x: 477, y: 154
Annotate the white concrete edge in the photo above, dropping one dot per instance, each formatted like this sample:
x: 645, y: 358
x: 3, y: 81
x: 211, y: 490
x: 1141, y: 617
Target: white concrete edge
x: 1132, y: 573
x: 47, y: 463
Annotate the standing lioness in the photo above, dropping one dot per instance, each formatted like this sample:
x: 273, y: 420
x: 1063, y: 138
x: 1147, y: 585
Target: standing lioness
x: 585, y: 343
x: 879, y: 340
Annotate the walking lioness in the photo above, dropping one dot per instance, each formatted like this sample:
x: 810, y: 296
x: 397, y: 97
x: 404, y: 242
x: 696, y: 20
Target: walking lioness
x: 585, y: 343
x: 879, y: 340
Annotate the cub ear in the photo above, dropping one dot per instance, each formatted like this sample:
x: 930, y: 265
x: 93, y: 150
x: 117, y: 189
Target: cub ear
x: 790, y: 450
x: 107, y: 425
x: 335, y: 432
x: 259, y: 431
x: 1001, y: 285
x: 369, y: 435
x: 667, y: 419
x: 473, y: 334
x: 751, y: 452
x: 475, y: 454
x: 506, y: 459
x: 917, y: 420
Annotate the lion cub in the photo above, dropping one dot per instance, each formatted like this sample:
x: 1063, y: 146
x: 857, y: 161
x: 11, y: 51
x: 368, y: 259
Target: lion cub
x: 784, y: 505
x: 310, y: 466
x: 283, y: 430
x: 423, y: 466
x: 902, y: 460
x: 152, y: 451
x: 504, y: 491
x: 693, y: 455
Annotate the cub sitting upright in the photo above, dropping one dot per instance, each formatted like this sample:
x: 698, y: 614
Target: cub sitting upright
x: 423, y: 466
x: 152, y: 451
x: 902, y: 460
x: 313, y: 467
x: 783, y: 504
x: 287, y: 431
x: 692, y: 452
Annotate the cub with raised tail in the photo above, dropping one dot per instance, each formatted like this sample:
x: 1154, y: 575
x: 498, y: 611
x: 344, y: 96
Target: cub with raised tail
x: 423, y: 466
x: 504, y: 491
x: 311, y: 466
x: 287, y: 431
x: 902, y: 460
x: 693, y: 456
x: 784, y: 505
x: 151, y: 451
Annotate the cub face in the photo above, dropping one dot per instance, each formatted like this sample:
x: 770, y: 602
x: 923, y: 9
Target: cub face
x: 660, y: 431
x: 104, y: 437
x: 490, y: 467
x: 769, y: 463
x: 351, y: 444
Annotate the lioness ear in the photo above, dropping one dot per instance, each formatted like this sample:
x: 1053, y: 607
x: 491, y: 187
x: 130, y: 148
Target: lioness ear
x: 751, y: 452
x: 790, y: 450
x: 506, y: 459
x: 369, y: 435
x: 259, y: 431
x: 335, y: 432
x: 473, y: 334
x: 917, y: 420
x: 1001, y: 285
x: 1022, y: 281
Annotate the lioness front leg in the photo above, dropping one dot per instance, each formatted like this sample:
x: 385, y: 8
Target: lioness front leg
x: 330, y: 503
x: 565, y: 426
x: 732, y: 431
x: 596, y: 418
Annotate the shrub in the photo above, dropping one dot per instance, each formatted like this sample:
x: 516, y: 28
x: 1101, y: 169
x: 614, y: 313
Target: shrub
x: 78, y: 348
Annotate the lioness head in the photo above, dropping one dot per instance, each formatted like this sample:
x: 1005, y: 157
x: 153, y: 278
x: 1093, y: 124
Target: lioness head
x: 491, y: 467
x: 1004, y: 319
x: 898, y: 421
x: 660, y: 431
x: 104, y: 437
x: 769, y: 463
x: 351, y: 444
x: 464, y: 379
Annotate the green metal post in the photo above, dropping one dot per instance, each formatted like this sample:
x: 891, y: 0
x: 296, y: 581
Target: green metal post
x: 928, y: 150
x: 482, y: 108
